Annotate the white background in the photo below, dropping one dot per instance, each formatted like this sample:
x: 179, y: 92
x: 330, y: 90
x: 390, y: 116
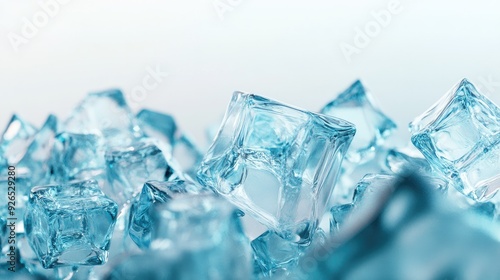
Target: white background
x: 285, y: 50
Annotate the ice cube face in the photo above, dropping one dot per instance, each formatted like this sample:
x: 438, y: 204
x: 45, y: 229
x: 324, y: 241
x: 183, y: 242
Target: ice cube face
x: 275, y: 255
x: 77, y: 157
x: 154, y: 192
x: 128, y: 168
x: 206, y: 232
x: 36, y: 161
x: 460, y: 136
x: 15, y: 140
x: 277, y: 163
x: 163, y: 127
x: 70, y: 224
x: 107, y: 115
x: 372, y: 126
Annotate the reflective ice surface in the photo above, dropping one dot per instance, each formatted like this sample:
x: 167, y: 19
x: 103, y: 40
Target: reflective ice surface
x: 128, y: 168
x: 460, y: 136
x: 356, y: 105
x: 154, y: 192
x: 276, y: 162
x: 70, y: 224
x: 15, y: 140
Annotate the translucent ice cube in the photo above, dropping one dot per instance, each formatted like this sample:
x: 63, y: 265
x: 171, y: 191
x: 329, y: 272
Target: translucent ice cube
x: 128, y: 168
x: 36, y: 161
x: 460, y: 137
x: 15, y: 140
x: 372, y: 126
x: 70, y: 224
x: 276, y: 162
x: 164, y: 128
x: 275, y: 255
x: 196, y: 237
x: 77, y: 157
x: 154, y: 192
x: 107, y: 115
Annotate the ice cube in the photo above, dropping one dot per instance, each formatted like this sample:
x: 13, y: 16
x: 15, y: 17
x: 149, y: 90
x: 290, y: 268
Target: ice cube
x: 196, y: 237
x: 164, y: 128
x: 460, y: 137
x: 128, y: 168
x: 276, y: 162
x: 275, y: 255
x: 36, y: 161
x: 77, y: 157
x: 70, y: 224
x: 107, y: 115
x: 154, y: 192
x: 15, y: 140
x: 372, y: 126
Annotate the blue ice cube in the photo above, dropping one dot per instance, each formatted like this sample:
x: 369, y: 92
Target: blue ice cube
x: 205, y: 233
x: 152, y: 193
x: 338, y: 215
x: 107, y: 115
x: 460, y: 136
x: 15, y: 140
x: 407, y: 162
x: 276, y: 162
x: 36, y: 161
x: 278, y: 258
x: 164, y: 128
x: 369, y: 190
x: 77, y: 157
x: 275, y: 255
x: 128, y: 168
x: 70, y: 224
x: 372, y: 126
x: 399, y: 161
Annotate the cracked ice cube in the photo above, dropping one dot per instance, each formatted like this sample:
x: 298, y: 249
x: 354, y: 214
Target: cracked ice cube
x: 15, y: 140
x: 128, y: 168
x: 163, y: 127
x: 460, y: 136
x: 154, y: 192
x: 107, y: 115
x: 372, y: 126
x: 70, y: 224
x: 276, y: 162
x: 77, y: 157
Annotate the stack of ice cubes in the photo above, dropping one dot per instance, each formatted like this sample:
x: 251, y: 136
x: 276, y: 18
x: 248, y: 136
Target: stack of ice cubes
x: 281, y: 193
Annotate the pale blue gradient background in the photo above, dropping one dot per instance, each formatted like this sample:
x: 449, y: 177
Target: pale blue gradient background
x: 285, y: 50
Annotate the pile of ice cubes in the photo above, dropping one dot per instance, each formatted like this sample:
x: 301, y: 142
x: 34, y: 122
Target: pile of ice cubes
x: 281, y: 193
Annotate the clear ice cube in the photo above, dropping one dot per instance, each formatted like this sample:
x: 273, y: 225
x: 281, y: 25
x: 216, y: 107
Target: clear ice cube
x: 154, y: 192
x: 338, y: 215
x: 372, y: 126
x: 107, y: 115
x: 205, y: 233
x: 77, y: 157
x: 164, y: 128
x: 15, y: 140
x: 369, y: 190
x: 36, y: 161
x: 276, y: 162
x: 274, y: 255
x: 70, y: 224
x: 128, y: 168
x: 460, y: 137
